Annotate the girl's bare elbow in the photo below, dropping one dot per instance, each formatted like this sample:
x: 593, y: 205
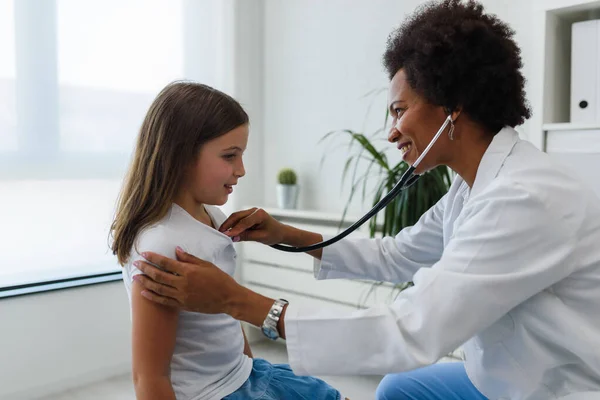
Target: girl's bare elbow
x: 142, y: 378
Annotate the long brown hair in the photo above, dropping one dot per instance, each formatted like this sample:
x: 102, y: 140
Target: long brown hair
x: 183, y: 117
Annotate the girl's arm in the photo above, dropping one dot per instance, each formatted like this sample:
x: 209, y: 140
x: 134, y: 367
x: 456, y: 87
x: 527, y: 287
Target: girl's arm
x: 153, y: 334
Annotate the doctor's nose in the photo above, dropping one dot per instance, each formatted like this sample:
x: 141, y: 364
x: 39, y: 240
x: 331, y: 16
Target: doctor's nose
x: 393, y: 134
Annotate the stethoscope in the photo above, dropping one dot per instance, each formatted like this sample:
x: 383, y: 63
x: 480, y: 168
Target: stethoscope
x: 408, y: 178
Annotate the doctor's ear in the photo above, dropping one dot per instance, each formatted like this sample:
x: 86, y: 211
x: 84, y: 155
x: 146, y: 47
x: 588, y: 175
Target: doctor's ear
x: 454, y: 114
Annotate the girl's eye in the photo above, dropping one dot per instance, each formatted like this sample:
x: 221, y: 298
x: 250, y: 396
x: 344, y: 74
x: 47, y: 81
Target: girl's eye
x: 398, y: 111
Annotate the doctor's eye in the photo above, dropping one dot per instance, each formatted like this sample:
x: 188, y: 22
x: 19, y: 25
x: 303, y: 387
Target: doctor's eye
x: 229, y: 156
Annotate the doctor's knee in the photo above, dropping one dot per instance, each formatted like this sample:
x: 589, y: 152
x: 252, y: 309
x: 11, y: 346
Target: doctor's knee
x: 395, y: 387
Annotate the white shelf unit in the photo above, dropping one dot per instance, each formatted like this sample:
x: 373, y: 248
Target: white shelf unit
x: 576, y: 145
x: 572, y: 138
x: 568, y: 126
x: 555, y: 19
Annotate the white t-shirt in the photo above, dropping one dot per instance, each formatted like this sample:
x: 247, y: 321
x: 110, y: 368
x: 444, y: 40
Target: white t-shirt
x: 208, y: 360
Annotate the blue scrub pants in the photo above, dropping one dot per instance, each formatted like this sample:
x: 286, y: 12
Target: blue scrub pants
x: 444, y: 381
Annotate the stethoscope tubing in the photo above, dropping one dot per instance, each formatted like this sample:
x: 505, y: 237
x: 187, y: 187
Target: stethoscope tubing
x: 407, y: 179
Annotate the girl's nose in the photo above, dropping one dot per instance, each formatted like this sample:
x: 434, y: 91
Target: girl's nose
x: 241, y: 171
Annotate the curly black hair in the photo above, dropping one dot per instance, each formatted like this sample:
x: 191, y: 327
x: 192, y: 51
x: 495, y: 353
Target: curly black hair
x: 455, y: 55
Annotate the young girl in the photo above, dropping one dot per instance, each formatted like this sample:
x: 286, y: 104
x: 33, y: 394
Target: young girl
x: 187, y: 160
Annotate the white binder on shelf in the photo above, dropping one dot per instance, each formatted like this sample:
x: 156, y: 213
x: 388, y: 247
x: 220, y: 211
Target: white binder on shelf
x: 585, y: 72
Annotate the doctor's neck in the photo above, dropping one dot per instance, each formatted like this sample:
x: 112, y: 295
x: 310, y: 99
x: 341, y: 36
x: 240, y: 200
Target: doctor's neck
x: 467, y: 149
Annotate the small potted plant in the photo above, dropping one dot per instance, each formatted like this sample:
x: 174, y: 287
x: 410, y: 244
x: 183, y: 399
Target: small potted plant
x: 287, y: 189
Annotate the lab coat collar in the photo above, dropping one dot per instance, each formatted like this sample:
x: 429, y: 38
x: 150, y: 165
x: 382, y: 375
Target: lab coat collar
x: 493, y: 158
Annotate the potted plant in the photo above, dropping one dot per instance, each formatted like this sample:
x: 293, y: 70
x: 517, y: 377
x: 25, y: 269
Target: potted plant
x: 287, y: 189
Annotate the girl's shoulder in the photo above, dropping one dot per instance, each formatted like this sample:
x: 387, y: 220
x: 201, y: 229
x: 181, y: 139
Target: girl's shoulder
x: 157, y: 238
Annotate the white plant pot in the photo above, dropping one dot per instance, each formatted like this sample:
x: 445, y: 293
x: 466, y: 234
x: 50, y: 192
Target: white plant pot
x: 287, y: 196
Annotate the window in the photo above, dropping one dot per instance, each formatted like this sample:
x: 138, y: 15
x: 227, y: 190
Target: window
x: 76, y: 79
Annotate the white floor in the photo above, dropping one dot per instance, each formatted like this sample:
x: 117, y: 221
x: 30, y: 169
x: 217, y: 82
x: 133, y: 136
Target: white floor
x: 120, y: 388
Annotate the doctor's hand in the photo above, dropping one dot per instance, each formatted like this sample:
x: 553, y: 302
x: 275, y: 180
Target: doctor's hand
x: 190, y: 283
x: 255, y: 225
x: 199, y: 286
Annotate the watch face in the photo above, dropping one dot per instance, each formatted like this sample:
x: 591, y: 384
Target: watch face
x: 270, y: 333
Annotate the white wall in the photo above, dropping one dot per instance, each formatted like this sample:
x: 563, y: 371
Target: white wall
x: 320, y: 58
x: 56, y: 340
x: 248, y: 87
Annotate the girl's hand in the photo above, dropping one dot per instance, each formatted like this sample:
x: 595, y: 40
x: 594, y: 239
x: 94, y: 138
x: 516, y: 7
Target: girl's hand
x: 255, y: 225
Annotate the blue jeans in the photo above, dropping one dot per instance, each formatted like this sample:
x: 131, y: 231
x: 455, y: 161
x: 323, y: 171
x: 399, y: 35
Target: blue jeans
x: 277, y: 382
x: 445, y: 381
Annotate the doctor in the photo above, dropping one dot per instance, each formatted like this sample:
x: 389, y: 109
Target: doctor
x: 506, y: 264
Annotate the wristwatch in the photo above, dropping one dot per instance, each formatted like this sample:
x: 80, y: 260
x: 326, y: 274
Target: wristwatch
x: 269, y: 327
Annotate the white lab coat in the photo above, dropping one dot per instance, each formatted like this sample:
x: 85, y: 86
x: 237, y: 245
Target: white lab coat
x: 510, y: 268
